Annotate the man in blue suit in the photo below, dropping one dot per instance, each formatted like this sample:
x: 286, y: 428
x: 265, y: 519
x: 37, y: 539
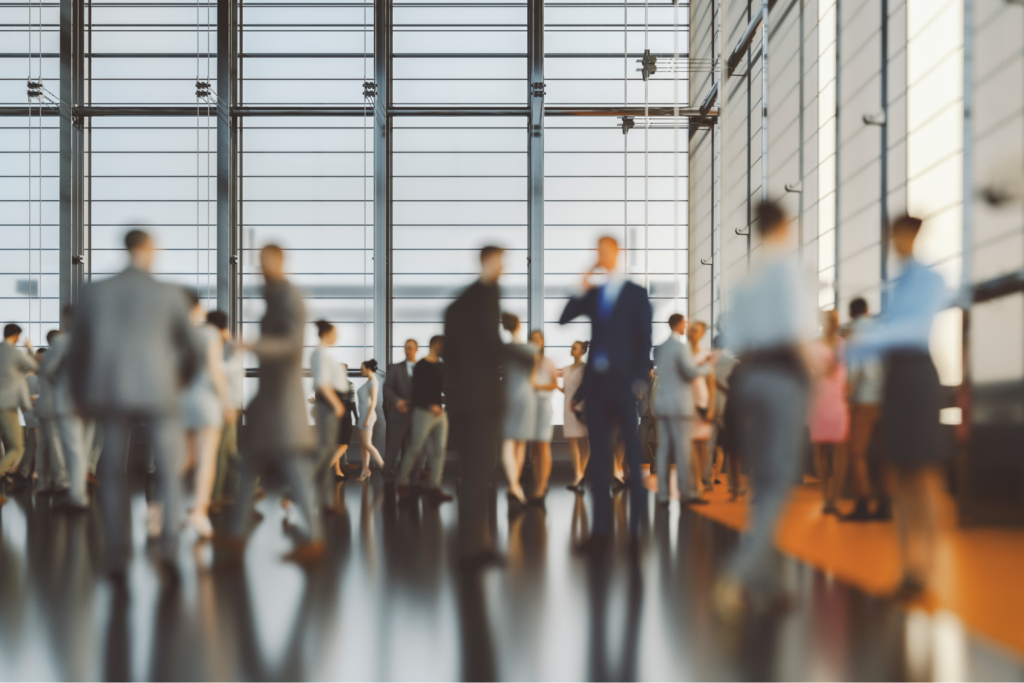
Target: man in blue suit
x: 616, y: 373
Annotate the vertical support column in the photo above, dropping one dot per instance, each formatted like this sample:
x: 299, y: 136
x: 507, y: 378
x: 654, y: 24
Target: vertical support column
x: 839, y: 144
x: 227, y: 231
x: 883, y: 241
x: 382, y: 183
x: 535, y: 160
x: 764, y: 101
x: 71, y: 230
x: 966, y: 247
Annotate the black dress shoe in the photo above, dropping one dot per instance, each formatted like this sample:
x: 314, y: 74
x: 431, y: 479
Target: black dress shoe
x: 594, y: 547
x: 537, y: 502
x: 69, y: 508
x: 884, y: 511
x: 910, y: 587
x: 693, y: 501
x: 488, y: 558
x: 860, y: 513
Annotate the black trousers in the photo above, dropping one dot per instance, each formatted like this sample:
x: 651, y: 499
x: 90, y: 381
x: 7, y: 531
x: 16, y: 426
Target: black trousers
x: 478, y: 439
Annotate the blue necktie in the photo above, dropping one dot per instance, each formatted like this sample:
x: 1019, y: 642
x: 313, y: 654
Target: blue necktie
x: 605, y: 304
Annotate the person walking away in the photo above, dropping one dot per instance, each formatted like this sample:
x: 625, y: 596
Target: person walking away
x: 910, y: 407
x: 620, y: 315
x: 574, y: 428
x: 330, y: 412
x: 132, y: 354
x: 367, y: 398
x: 648, y: 429
x: 767, y: 323
x: 476, y: 403
x: 674, y: 406
x: 545, y: 380
x: 828, y: 414
x: 429, y: 422
x: 521, y: 418
x: 14, y: 365
x: 704, y: 401
x: 398, y: 408
x: 864, y: 389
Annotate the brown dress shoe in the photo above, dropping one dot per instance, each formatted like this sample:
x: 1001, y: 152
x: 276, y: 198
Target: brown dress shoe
x: 437, y: 496
x: 307, y: 553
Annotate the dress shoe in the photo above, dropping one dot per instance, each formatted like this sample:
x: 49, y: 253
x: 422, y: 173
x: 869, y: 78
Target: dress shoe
x: 577, y: 488
x: 537, y: 502
x: 228, y: 550
x: 693, y: 501
x: 91, y: 479
x: 351, y: 467
x: 594, y: 547
x: 405, y: 495
x: 437, y: 496
x: 307, y: 553
x: 473, y: 563
x: 860, y: 513
x: 830, y: 509
x: 70, y: 507
x: 883, y: 513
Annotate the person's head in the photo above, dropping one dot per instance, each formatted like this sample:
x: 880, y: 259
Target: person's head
x: 437, y: 344
x: 327, y: 332
x: 510, y: 322
x: 579, y: 349
x: 39, y: 355
x: 696, y: 331
x: 12, y: 332
x: 858, y: 308
x: 368, y: 368
x: 140, y: 249
x: 272, y: 263
x: 772, y: 223
x: 411, y: 349
x: 51, y: 335
x: 219, y: 320
x: 904, y: 232
x: 491, y: 263
x: 677, y: 323
x: 537, y: 337
x: 194, y: 307
x: 67, y: 315
x: 608, y: 253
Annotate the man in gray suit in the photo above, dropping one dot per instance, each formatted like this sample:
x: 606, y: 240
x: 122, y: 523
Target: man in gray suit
x: 132, y: 354
x: 673, y: 404
x: 398, y: 407
x: 14, y: 364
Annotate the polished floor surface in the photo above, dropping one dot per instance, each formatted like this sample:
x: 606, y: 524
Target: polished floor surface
x: 389, y: 602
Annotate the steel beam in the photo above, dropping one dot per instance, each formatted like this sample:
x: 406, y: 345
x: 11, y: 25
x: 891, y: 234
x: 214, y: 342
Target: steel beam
x: 227, y: 230
x: 748, y: 36
x: 382, y: 183
x: 72, y: 157
x: 242, y: 111
x: 535, y: 162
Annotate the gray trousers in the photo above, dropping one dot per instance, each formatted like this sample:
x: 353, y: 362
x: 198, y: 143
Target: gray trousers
x: 399, y: 431
x: 50, y: 465
x: 73, y: 435
x: 166, y: 442
x: 297, y: 472
x: 327, y: 425
x: 426, y: 425
x: 13, y: 435
x: 772, y: 404
x: 674, y: 440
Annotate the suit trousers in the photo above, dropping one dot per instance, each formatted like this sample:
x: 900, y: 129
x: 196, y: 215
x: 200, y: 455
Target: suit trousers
x: 297, y: 471
x: 73, y: 431
x: 399, y: 431
x: 28, y: 460
x: 647, y: 433
x: 609, y: 402
x: 771, y: 403
x: 13, y: 435
x: 675, y: 440
x: 50, y: 465
x: 166, y: 444
x: 426, y: 425
x: 478, y: 439
x: 327, y: 425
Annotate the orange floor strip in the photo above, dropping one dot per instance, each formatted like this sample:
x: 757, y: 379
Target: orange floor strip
x: 980, y: 572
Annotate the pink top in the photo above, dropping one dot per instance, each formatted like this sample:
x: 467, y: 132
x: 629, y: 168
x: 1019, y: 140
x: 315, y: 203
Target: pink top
x: 828, y: 413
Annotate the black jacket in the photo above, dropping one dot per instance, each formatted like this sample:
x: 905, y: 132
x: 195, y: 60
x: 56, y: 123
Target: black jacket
x: 473, y: 351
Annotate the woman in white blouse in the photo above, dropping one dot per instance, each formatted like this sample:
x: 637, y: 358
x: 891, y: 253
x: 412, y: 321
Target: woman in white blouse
x: 332, y: 386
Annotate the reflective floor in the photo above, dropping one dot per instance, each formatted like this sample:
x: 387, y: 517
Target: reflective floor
x: 390, y: 602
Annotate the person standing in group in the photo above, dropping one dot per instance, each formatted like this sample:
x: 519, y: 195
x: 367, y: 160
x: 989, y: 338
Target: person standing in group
x: 828, y: 414
x: 911, y: 402
x: 674, y: 406
x: 545, y: 381
x: 864, y: 388
x: 704, y: 403
x: 620, y: 315
x: 134, y: 351
x: 476, y: 403
x: 429, y: 422
x: 332, y: 417
x: 521, y: 418
x: 14, y: 365
x: 226, y: 482
x: 277, y: 433
x: 767, y: 324
x: 723, y: 431
x: 574, y: 428
x: 205, y: 408
x: 648, y: 429
x: 50, y: 466
x: 398, y: 407
x: 367, y: 398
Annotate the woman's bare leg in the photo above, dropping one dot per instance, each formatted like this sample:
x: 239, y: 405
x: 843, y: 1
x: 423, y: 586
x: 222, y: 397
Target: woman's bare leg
x: 369, y: 450
x: 577, y: 461
x: 698, y: 465
x: 336, y: 459
x: 541, y: 468
x: 513, y: 470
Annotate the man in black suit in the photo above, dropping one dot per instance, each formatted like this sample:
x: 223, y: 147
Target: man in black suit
x: 398, y: 407
x: 616, y: 374
x: 476, y: 402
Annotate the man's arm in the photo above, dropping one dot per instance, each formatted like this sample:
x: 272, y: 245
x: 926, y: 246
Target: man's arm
x: 390, y: 396
x: 53, y: 358
x: 576, y: 307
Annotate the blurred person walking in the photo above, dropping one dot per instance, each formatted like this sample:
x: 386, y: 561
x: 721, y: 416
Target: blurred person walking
x: 521, y: 416
x: 367, y: 399
x: 723, y: 431
x: 133, y: 352
x: 767, y: 324
x: 574, y: 427
x: 332, y: 416
x: 429, y: 422
x: 648, y: 429
x: 545, y: 381
x: 828, y: 414
x: 674, y: 405
x: 398, y: 408
x: 226, y: 482
x: 28, y: 463
x: 14, y: 366
x: 620, y: 315
x: 911, y: 402
x: 51, y: 471
x: 704, y: 401
x: 277, y: 433
x: 476, y: 403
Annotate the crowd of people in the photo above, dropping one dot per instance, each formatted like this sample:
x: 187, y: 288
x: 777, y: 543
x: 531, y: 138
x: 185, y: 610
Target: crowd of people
x: 135, y: 352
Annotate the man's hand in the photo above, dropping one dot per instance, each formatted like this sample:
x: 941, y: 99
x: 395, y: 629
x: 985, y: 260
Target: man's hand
x: 402, y: 406
x: 339, y: 410
x: 28, y: 343
x: 639, y: 387
x: 587, y: 284
x: 436, y: 410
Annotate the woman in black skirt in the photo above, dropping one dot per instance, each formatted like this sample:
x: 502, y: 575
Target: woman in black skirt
x: 910, y: 413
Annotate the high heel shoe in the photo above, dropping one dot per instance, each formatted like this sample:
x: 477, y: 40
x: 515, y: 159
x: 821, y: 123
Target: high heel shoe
x: 365, y: 476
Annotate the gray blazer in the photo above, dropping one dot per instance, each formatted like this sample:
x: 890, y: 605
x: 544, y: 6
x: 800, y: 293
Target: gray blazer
x: 134, y: 347
x: 676, y: 372
x: 14, y: 363
x: 56, y: 376
x: 397, y: 387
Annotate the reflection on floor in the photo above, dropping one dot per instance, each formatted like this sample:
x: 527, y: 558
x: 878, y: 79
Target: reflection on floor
x: 389, y: 602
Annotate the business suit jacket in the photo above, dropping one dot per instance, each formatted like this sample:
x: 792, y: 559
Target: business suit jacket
x: 134, y: 347
x: 473, y: 351
x: 625, y: 335
x: 397, y: 387
x: 276, y: 418
x: 14, y: 363
x: 54, y: 371
x: 676, y: 372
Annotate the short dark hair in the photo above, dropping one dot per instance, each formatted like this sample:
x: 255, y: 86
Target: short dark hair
x: 193, y: 296
x: 675, y: 319
x: 218, y: 319
x: 40, y: 352
x: 370, y: 365
x: 50, y: 335
x: 858, y: 307
x: 135, y: 239
x: 323, y: 327
x: 11, y: 330
x: 489, y: 251
x: 410, y: 339
x: 509, y: 321
x: 436, y: 339
x: 906, y: 222
x: 769, y: 217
